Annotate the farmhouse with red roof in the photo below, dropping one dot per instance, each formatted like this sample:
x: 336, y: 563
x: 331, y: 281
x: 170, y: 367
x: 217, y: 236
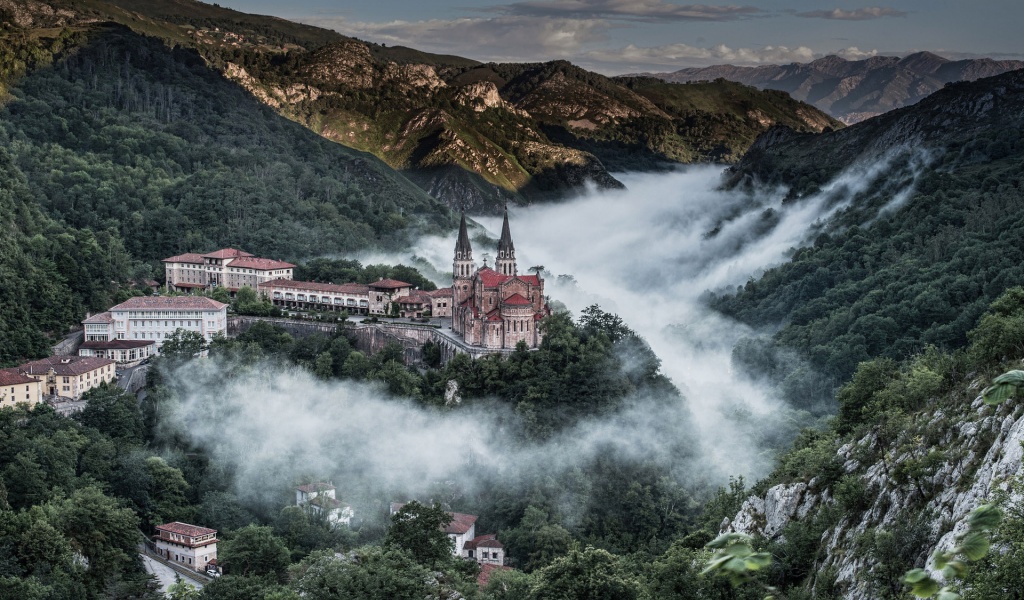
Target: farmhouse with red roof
x: 495, y: 308
x: 188, y: 545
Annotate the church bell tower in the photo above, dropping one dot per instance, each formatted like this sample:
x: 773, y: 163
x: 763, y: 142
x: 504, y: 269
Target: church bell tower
x: 463, y: 267
x: 506, y: 261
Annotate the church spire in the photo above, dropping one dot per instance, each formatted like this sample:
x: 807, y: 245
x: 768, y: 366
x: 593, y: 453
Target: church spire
x: 463, y: 249
x: 506, y: 261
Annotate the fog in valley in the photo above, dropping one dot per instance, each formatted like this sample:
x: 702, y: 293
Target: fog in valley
x: 650, y: 254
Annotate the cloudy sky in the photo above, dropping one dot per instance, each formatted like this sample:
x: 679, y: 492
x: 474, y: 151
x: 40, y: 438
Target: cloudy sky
x: 619, y: 36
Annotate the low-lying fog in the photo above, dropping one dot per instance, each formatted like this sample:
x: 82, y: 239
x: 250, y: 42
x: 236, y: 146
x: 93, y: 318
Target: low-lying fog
x: 647, y: 253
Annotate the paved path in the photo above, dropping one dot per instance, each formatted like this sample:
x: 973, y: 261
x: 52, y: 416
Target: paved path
x: 164, y: 574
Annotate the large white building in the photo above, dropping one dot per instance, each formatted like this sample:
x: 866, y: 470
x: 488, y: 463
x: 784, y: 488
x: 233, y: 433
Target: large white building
x: 155, y: 318
x: 228, y: 268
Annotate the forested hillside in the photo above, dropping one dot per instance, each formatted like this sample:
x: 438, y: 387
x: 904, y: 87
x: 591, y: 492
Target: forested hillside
x: 119, y: 151
x: 895, y: 274
x: 473, y: 135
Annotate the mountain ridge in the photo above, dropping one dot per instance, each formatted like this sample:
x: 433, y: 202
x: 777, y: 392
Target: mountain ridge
x: 478, y: 135
x: 854, y: 90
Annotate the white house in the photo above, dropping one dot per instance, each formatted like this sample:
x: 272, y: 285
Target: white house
x: 460, y: 530
x: 319, y: 498
x: 155, y: 318
x: 189, y: 545
x: 485, y: 549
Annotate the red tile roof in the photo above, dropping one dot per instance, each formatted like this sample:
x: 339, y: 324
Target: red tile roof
x: 461, y: 523
x: 389, y: 284
x: 416, y: 298
x: 13, y: 377
x: 188, y: 257
x: 170, y: 303
x: 186, y: 529
x: 486, y: 570
x: 227, y: 253
x: 315, y: 286
x: 491, y: 278
x: 531, y: 279
x: 488, y: 540
x: 494, y: 315
x: 117, y: 345
x: 517, y: 300
x: 64, y: 365
x: 260, y: 264
x: 440, y: 293
x: 188, y: 285
x: 100, y: 318
x: 315, y: 487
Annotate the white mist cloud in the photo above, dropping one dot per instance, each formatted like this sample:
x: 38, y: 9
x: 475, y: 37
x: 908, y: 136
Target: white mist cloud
x: 628, y: 10
x: 500, y: 38
x: 647, y: 253
x: 859, y: 14
x: 681, y: 55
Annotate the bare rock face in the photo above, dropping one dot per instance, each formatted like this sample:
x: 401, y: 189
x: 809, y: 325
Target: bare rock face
x: 30, y: 13
x: 270, y: 95
x: 346, y: 63
x: 482, y: 95
x: 984, y: 455
x: 414, y: 76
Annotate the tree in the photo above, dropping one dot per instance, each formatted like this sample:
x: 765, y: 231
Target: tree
x: 419, y: 530
x: 255, y: 550
x: 592, y: 573
x: 368, y: 574
x: 114, y: 412
x: 183, y: 345
x: 536, y: 542
x: 103, y: 532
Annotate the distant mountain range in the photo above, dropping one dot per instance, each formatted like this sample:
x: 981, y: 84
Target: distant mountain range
x: 854, y: 90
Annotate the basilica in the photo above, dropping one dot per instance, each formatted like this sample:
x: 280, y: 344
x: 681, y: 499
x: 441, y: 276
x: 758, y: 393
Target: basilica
x: 495, y: 308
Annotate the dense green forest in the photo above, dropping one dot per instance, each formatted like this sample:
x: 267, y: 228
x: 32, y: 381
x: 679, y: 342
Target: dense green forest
x: 128, y: 134
x: 118, y: 152
x: 124, y: 467
x: 888, y: 283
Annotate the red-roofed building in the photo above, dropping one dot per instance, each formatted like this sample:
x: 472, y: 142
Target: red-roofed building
x: 386, y: 291
x: 486, y: 570
x: 461, y: 529
x: 189, y: 545
x: 69, y: 376
x: 135, y: 329
x: 228, y: 267
x: 495, y: 308
x: 485, y: 549
x: 351, y: 297
x: 17, y: 387
x: 441, y: 303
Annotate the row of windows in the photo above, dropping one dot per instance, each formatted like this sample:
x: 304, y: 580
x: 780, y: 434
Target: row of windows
x: 166, y: 314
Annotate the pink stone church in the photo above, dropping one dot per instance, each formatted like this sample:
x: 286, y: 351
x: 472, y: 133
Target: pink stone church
x: 495, y: 308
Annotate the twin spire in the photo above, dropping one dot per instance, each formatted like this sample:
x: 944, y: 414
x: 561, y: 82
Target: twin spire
x: 506, y: 261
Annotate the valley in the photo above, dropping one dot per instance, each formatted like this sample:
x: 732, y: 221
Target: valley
x: 745, y: 318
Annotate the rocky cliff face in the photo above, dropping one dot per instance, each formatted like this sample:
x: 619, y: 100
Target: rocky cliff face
x: 853, y: 91
x: 952, y: 460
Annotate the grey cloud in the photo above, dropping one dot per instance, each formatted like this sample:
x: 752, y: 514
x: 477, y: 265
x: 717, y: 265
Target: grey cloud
x: 859, y: 14
x: 493, y: 38
x: 628, y: 10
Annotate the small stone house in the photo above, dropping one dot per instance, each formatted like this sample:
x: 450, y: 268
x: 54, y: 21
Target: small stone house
x: 319, y: 498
